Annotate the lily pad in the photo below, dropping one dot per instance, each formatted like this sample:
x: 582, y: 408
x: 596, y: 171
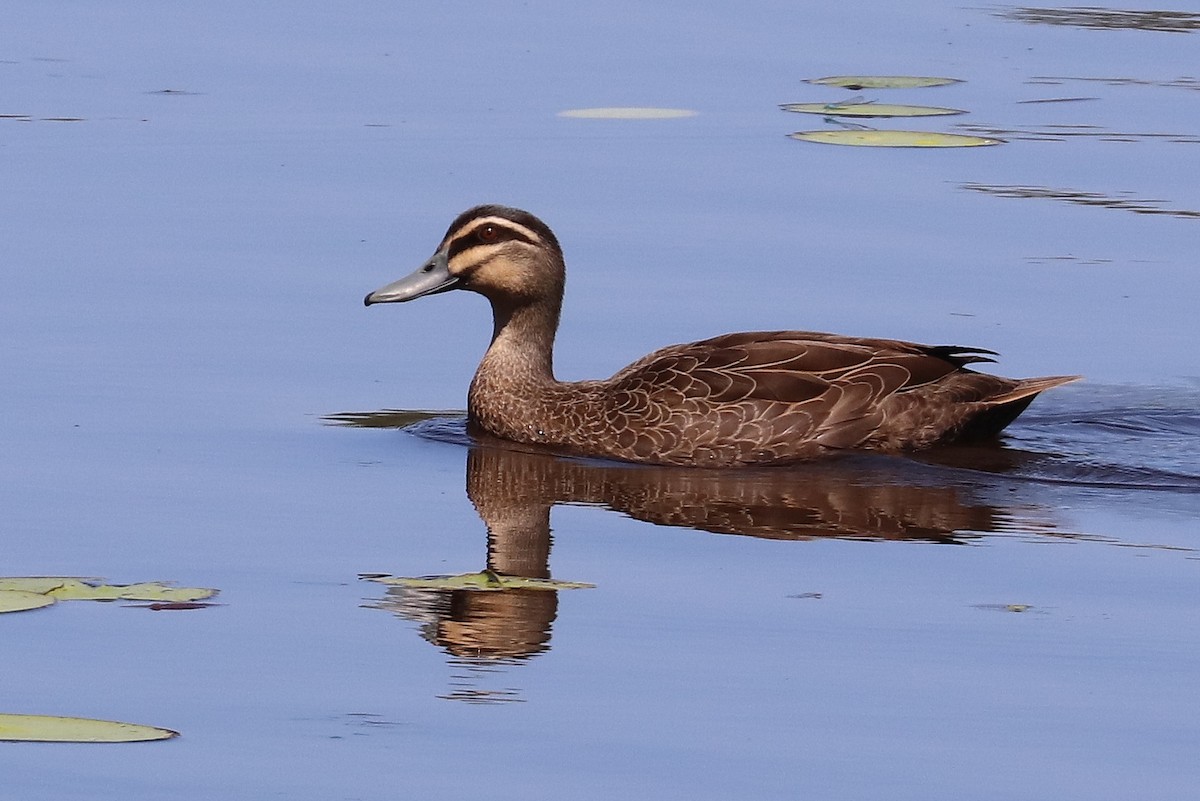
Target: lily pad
x: 856, y: 82
x: 76, y: 588
x: 483, y: 581
x: 21, y: 601
x: 146, y: 591
x: 627, y: 113
x: 42, y: 584
x: 869, y: 110
x: 864, y: 138
x: 53, y: 729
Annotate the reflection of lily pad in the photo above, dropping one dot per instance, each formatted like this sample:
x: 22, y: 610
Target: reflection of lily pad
x: 52, y: 729
x: 486, y: 580
x: 863, y: 138
x: 21, y: 601
x: 869, y: 110
x: 627, y: 113
x: 856, y: 82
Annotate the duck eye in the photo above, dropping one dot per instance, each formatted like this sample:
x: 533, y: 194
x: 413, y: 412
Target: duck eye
x: 488, y: 233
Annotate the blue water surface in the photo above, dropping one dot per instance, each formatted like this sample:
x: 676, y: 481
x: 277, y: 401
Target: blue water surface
x: 196, y: 198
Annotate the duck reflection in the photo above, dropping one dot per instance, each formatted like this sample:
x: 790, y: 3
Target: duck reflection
x: 859, y: 496
x: 514, y: 489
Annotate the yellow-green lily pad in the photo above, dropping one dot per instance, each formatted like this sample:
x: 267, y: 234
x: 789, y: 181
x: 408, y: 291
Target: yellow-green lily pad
x: 867, y: 138
x: 42, y: 584
x: 53, y: 729
x: 856, y: 82
x: 483, y: 581
x: 869, y: 110
x: 21, y: 600
x: 146, y: 591
x: 627, y: 113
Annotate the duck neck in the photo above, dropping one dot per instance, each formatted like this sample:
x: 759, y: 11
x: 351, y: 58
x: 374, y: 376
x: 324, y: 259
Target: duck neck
x: 522, y: 348
x: 513, y: 390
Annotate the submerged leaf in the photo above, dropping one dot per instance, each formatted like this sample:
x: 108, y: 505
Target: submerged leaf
x: 21, y: 600
x: 627, y: 113
x: 53, y: 729
x: 865, y: 138
x: 856, y: 82
x: 485, y: 581
x: 869, y: 110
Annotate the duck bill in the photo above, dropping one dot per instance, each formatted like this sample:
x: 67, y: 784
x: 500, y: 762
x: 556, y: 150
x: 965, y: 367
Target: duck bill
x: 433, y: 277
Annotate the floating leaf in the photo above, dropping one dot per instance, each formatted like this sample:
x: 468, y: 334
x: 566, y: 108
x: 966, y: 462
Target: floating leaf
x: 146, y: 591
x: 856, y: 82
x: 486, y: 581
x: 42, y: 583
x: 627, y: 113
x: 865, y: 138
x: 52, y: 729
x: 21, y: 601
x: 869, y: 110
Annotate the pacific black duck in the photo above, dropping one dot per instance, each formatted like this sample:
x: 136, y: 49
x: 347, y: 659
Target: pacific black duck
x: 766, y: 397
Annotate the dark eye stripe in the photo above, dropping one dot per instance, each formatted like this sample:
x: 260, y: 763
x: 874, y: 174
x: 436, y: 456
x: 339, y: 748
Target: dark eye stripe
x: 466, y: 239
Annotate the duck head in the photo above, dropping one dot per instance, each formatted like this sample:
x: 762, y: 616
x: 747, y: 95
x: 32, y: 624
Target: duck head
x: 505, y: 254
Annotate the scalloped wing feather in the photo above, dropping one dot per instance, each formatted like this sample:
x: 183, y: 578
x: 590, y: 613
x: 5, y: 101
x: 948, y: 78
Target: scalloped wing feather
x: 785, y: 392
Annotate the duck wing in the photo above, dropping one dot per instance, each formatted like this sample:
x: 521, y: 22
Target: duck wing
x: 773, y: 392
x: 792, y: 366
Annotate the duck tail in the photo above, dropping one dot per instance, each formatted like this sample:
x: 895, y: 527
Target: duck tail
x: 997, y: 412
x: 1027, y: 388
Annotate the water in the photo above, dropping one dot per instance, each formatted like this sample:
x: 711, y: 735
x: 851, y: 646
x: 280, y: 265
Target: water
x: 198, y: 198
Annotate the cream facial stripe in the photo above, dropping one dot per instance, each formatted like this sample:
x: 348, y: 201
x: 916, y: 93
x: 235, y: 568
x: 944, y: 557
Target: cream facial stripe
x: 466, y: 238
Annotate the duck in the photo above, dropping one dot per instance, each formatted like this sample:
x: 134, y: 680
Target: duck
x: 742, y: 399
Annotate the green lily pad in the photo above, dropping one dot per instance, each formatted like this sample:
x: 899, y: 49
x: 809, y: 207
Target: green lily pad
x: 856, y: 82
x: 865, y: 138
x: 53, y: 729
x: 869, y: 110
x: 76, y: 588
x: 21, y: 601
x: 627, y: 113
x: 42, y: 584
x: 483, y: 581
x: 146, y: 591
